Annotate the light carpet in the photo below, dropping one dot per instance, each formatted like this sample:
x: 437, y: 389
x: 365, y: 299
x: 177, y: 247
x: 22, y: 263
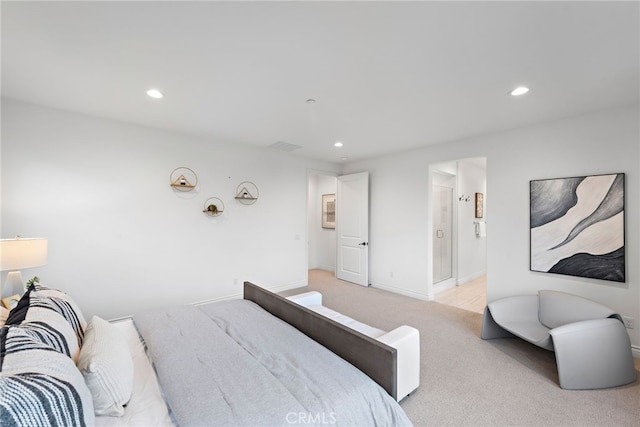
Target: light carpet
x: 466, y: 381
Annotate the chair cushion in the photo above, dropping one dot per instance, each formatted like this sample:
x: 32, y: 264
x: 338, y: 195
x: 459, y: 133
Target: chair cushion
x: 519, y: 315
x: 531, y: 331
x: 560, y: 308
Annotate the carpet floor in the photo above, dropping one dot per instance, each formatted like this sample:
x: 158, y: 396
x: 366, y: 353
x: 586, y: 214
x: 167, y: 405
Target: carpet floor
x: 466, y: 381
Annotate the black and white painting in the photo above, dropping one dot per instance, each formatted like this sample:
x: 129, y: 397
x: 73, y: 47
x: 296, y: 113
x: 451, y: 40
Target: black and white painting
x: 577, y: 226
x: 328, y: 211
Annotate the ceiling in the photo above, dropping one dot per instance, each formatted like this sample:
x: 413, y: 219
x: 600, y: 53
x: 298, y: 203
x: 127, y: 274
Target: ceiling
x: 385, y: 76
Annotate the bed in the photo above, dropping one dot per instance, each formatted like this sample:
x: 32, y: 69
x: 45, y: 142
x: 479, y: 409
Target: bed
x: 224, y: 363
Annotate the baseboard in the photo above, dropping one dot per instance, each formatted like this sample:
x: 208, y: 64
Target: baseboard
x: 294, y: 285
x: 274, y: 289
x: 444, y: 285
x: 635, y: 350
x: 471, y: 277
x: 218, y: 299
x: 452, y: 283
x: 402, y: 291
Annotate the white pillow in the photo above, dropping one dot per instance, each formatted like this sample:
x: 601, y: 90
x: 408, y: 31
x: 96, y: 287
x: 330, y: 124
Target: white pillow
x: 106, y: 364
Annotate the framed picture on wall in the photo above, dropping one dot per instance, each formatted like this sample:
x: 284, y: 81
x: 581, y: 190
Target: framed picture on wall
x: 577, y: 226
x: 479, y: 205
x: 328, y: 211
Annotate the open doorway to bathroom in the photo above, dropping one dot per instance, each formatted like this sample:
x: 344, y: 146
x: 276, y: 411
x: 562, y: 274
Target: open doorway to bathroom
x: 459, y: 218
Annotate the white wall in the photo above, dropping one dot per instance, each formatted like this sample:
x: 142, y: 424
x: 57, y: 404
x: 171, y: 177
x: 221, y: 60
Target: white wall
x: 120, y: 239
x: 596, y: 143
x: 322, y: 241
x: 472, y: 250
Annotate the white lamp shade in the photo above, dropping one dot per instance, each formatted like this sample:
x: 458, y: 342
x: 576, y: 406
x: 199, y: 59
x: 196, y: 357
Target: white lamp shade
x: 17, y: 254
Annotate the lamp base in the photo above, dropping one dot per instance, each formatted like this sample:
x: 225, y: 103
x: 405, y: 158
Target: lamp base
x: 14, y: 284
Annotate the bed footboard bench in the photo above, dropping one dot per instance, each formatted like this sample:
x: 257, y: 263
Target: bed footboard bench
x: 379, y: 358
x: 405, y: 339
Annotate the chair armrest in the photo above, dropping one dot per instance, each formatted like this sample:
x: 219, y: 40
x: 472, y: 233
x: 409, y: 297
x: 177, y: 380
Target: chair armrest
x: 593, y: 354
x: 406, y: 340
x: 307, y: 299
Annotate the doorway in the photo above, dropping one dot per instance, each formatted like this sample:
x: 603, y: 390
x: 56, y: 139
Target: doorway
x: 321, y: 242
x: 339, y: 242
x: 458, y: 249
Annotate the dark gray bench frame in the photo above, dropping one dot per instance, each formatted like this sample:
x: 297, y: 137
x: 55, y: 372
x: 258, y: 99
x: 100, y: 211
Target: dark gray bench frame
x: 372, y: 357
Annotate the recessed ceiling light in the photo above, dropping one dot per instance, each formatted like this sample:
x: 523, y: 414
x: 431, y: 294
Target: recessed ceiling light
x: 155, y: 93
x: 520, y: 90
x: 338, y: 144
x: 311, y: 101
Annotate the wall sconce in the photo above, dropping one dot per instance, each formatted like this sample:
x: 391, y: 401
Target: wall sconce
x: 18, y: 254
x: 464, y: 198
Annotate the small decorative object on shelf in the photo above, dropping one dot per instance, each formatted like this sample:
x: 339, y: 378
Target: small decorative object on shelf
x: 213, y: 206
x: 247, y: 193
x: 183, y: 179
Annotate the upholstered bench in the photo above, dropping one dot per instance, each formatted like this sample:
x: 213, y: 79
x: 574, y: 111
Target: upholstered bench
x: 591, y: 345
x: 405, y: 339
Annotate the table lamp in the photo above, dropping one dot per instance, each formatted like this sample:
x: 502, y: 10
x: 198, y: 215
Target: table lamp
x: 18, y: 254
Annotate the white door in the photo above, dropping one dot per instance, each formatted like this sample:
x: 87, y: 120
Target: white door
x: 352, y: 228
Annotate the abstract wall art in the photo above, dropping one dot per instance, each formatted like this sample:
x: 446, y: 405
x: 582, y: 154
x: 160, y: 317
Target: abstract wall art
x: 479, y: 205
x: 328, y: 211
x: 577, y: 226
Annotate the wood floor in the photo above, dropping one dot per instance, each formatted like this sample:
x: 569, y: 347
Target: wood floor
x: 471, y: 296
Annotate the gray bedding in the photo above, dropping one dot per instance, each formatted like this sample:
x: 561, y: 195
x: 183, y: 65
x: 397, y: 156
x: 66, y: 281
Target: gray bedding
x: 233, y: 363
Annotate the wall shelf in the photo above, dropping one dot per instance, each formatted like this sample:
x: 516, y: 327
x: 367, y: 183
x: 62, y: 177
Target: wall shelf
x: 213, y: 206
x: 247, y: 193
x: 183, y: 179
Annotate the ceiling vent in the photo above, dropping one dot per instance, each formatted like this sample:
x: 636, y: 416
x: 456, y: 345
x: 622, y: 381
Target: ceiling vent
x: 284, y: 146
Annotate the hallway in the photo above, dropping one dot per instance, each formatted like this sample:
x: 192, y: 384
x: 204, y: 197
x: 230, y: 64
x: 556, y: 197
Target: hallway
x: 471, y: 296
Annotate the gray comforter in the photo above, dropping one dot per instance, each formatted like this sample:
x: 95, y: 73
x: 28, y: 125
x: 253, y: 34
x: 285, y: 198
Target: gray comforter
x: 233, y: 363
